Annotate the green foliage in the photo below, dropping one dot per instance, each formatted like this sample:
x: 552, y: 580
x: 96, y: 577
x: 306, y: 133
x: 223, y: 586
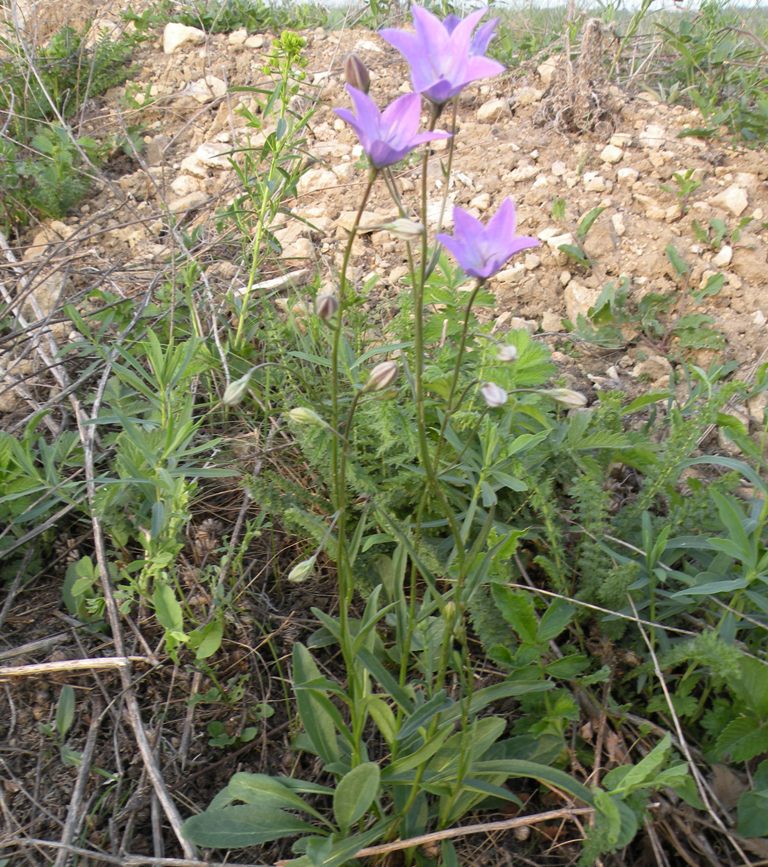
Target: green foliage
x: 224, y: 16
x: 718, y: 64
x: 43, y: 165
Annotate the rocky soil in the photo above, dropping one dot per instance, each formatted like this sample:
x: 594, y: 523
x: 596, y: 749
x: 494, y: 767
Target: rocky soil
x: 180, y: 96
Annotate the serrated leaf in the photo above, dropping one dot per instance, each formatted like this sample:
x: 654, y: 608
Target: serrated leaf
x: 742, y: 739
x: 517, y: 609
x: 355, y: 793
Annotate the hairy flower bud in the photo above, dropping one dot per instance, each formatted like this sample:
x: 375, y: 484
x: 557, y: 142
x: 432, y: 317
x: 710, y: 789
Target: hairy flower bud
x: 566, y: 397
x: 381, y: 376
x: 406, y: 230
x: 326, y: 305
x: 302, y: 571
x: 305, y: 415
x: 236, y: 391
x: 507, y: 353
x: 356, y: 73
x: 494, y: 395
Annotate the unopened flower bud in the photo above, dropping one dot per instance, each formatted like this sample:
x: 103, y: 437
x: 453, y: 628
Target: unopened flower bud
x: 494, y: 395
x: 507, y: 353
x: 356, y: 73
x: 236, y: 391
x: 305, y: 415
x: 382, y: 376
x: 326, y: 305
x: 302, y: 571
x: 566, y: 397
x: 406, y: 230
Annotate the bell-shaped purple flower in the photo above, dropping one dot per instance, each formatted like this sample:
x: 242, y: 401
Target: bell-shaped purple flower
x: 387, y: 136
x: 481, y: 250
x: 444, y: 56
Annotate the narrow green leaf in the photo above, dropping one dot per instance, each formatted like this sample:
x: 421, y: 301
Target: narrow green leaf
x: 65, y: 710
x: 242, y: 825
x: 355, y: 793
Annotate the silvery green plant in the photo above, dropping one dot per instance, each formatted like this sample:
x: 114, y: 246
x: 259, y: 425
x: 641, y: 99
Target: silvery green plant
x: 407, y: 753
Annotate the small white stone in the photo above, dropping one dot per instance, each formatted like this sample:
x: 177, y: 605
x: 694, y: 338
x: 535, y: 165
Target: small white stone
x: 255, y: 41
x: 594, y: 182
x: 733, y: 199
x: 237, y: 37
x: 481, y: 201
x: 207, y: 89
x: 564, y: 277
x: 617, y: 221
x: 627, y: 175
x: 524, y: 172
x: 547, y: 70
x: 492, y: 109
x: 559, y: 168
x: 511, y: 275
x: 723, y: 257
x: 527, y: 95
x: 653, y: 136
x: 611, y: 154
x: 532, y: 262
x: 758, y: 317
x: 551, y: 321
x: 620, y: 139
x: 190, y: 202
x: 184, y: 185
x: 176, y: 35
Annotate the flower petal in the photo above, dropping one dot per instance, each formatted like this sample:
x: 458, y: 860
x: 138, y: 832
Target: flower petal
x: 504, y: 222
x: 400, y: 120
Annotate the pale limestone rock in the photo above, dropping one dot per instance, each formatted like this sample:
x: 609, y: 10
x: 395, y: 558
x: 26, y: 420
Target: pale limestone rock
x: 594, y: 182
x: 620, y: 139
x: 723, y: 257
x: 532, y: 262
x: 551, y: 321
x: 759, y: 318
x: 492, y: 109
x: 184, y: 185
x: 481, y: 201
x: 559, y: 168
x: 653, y: 136
x: 611, y: 154
x: 619, y: 226
x: 524, y: 172
x: 511, y: 275
x: 627, y: 175
x: 527, y: 95
x: 546, y: 71
x: 316, y: 181
x: 757, y: 407
x: 206, y: 89
x: 579, y: 299
x: 654, y: 368
x: 554, y: 238
x: 237, y: 37
x: 255, y: 41
x: 733, y: 199
x: 175, y: 35
x: 190, y: 202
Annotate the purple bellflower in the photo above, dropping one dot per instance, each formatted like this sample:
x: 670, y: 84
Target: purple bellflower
x: 482, y: 251
x: 443, y: 55
x: 387, y: 136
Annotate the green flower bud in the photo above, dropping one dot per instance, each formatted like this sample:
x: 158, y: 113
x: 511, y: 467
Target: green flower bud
x: 381, y: 376
x: 305, y: 415
x: 302, y: 571
x: 236, y: 391
x: 406, y: 230
x: 566, y: 397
